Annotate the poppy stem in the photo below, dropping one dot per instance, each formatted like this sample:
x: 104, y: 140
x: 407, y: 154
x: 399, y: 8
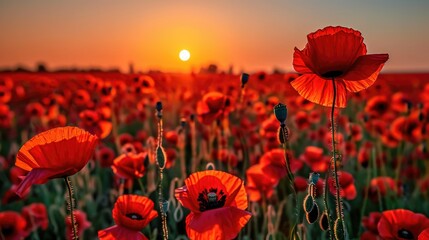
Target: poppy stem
x: 339, y: 222
x: 71, y: 207
x: 161, y: 161
x: 295, y: 234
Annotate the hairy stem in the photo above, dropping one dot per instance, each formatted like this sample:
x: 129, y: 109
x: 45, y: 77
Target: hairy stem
x: 334, y: 156
x: 70, y: 193
x: 291, y: 182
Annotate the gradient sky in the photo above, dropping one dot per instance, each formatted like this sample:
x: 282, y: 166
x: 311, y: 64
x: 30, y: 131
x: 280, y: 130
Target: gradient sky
x: 250, y: 34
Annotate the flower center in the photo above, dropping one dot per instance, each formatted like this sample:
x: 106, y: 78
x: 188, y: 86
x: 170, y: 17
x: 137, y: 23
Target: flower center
x: 211, y: 199
x: 405, y: 234
x: 7, y: 230
x: 134, y: 216
x: 332, y: 74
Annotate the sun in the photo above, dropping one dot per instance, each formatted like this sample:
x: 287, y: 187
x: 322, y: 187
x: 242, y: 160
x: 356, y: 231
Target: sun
x: 184, y: 55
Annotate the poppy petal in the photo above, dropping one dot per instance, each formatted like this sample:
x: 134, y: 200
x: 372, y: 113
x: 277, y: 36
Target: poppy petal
x: 335, y: 48
x: 301, y: 63
x: 424, y: 235
x: 38, y: 176
x: 222, y: 223
x: 118, y: 232
x: 320, y: 91
x: 364, y: 71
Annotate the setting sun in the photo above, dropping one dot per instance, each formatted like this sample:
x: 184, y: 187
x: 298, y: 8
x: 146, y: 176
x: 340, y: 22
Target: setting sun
x: 184, y: 55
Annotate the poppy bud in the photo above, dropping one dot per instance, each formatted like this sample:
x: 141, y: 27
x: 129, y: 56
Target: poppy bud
x: 183, y: 122
x: 158, y: 108
x: 161, y: 158
x: 283, y: 134
x: 313, y: 215
x: 308, y: 203
x: 313, y: 178
x: 280, y: 111
x: 338, y: 229
x: 244, y: 79
x: 323, y: 222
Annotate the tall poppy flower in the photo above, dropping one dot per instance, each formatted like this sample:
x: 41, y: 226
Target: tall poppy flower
x: 129, y: 166
x: 211, y: 107
x: 36, y: 216
x: 347, y: 183
x: 401, y: 224
x: 259, y: 183
x: 131, y: 214
x: 217, y: 201
x: 315, y: 159
x: 59, y: 152
x: 334, y: 53
x: 12, y: 225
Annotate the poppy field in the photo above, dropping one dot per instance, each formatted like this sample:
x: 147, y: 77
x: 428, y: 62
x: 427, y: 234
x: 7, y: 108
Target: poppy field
x: 335, y: 150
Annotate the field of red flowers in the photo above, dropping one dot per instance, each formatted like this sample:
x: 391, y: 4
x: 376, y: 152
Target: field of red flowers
x: 214, y: 156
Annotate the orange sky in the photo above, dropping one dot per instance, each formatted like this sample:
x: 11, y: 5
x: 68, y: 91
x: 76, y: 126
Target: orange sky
x: 250, y: 34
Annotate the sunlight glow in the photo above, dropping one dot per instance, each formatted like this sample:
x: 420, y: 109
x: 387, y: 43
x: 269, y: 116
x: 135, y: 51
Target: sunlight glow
x: 184, y: 55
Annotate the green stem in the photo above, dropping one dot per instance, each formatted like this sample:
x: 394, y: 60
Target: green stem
x: 73, y: 223
x: 291, y: 182
x: 325, y: 201
x: 334, y: 155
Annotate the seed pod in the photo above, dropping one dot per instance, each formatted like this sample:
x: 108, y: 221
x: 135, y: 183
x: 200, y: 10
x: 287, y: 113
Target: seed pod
x: 338, y: 229
x: 323, y: 221
x: 313, y: 215
x: 244, y: 79
x: 280, y: 111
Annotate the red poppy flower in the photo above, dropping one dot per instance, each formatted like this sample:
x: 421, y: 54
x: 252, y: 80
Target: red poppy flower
x: 125, y: 138
x: 335, y: 52
x: 56, y: 153
x: 12, y: 225
x: 377, y: 106
x: 400, y: 102
x: 274, y: 163
x: 93, y: 123
x: 401, y: 224
x: 129, y: 166
x: 82, y: 99
x: 259, y: 184
x: 300, y: 183
x: 355, y: 132
x: 370, y: 223
x: 211, y: 107
x: 131, y: 214
x: 105, y: 156
x: 143, y: 85
x: 314, y: 158
x: 81, y: 222
x: 6, y: 116
x: 347, y: 186
x: 302, y: 120
x: 382, y: 185
x: 424, y: 235
x: 407, y: 128
x: 217, y: 201
x: 36, y: 216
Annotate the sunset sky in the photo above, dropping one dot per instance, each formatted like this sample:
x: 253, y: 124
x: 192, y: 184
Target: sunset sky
x: 249, y: 34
